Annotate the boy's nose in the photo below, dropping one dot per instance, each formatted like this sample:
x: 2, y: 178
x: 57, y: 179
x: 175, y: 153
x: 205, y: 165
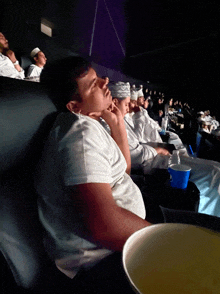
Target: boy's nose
x: 104, y: 81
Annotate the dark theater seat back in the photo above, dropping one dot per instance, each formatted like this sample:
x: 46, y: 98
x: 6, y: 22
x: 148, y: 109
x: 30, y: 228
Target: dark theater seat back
x: 26, y: 116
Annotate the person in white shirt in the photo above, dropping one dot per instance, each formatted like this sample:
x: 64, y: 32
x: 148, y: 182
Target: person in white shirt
x: 88, y: 203
x: 215, y: 123
x: 144, y: 123
x: 146, y: 130
x: 206, y: 126
x: 212, y: 120
x: 141, y: 153
x: 9, y: 65
x: 206, y: 118
x: 34, y: 70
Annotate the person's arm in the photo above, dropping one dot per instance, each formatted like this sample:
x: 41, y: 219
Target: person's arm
x: 144, y: 130
x: 162, y: 151
x: 115, y: 121
x: 108, y: 224
x: 11, y: 55
x: 139, y: 152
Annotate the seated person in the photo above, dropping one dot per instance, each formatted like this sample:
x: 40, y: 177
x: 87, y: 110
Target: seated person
x: 160, y: 117
x: 9, y: 65
x: 34, y: 70
x: 200, y: 116
x: 211, y: 122
x: 138, y: 113
x: 158, y: 104
x: 205, y: 174
x: 168, y: 106
x: 173, y: 137
x: 148, y: 105
x: 147, y: 129
x: 206, y: 127
x: 137, y: 148
x: 88, y: 203
x: 215, y: 123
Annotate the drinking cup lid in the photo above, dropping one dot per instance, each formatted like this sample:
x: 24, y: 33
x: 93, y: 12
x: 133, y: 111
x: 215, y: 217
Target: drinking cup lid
x: 180, y: 167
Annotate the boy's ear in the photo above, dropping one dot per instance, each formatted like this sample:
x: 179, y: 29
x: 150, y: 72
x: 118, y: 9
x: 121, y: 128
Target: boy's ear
x: 115, y: 101
x: 35, y: 58
x: 73, y: 106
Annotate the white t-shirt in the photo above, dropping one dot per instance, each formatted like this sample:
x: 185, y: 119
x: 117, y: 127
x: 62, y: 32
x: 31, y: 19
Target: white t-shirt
x: 79, y: 150
x: 34, y: 71
x: 7, y: 68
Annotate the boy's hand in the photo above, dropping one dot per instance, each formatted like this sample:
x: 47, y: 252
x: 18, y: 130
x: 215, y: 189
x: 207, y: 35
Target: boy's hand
x: 162, y: 151
x: 114, y: 119
x: 112, y: 116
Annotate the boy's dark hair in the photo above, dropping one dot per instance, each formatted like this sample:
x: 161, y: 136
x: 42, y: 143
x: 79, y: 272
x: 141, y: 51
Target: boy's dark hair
x: 60, y: 77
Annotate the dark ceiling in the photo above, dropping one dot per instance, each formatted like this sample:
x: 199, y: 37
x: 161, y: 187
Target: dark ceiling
x: 175, y: 43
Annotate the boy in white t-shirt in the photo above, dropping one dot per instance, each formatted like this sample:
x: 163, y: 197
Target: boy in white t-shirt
x: 88, y: 203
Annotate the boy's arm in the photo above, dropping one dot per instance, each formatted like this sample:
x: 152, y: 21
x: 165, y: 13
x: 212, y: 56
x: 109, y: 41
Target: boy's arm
x: 11, y: 55
x: 108, y: 224
x: 115, y: 121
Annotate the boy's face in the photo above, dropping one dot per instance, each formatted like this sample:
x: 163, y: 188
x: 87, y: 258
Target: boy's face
x: 123, y: 105
x: 94, y: 92
x: 132, y: 105
x: 41, y: 58
x: 140, y: 101
x: 3, y: 41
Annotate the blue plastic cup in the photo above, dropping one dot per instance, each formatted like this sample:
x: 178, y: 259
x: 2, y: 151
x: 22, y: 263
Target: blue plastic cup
x: 179, y: 174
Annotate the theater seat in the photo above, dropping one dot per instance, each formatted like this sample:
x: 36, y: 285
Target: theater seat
x: 26, y: 116
x: 198, y: 143
x: 192, y: 218
x: 25, y: 62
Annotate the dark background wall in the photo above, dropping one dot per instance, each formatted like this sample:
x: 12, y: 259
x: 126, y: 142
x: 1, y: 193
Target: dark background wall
x: 171, y: 43
x: 177, y: 46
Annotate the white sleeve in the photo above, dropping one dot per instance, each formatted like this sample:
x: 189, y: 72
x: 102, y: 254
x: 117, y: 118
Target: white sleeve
x: 85, y: 162
x: 151, y: 121
x: 144, y: 130
x: 8, y: 70
x: 154, y: 124
x: 139, y: 153
x: 139, y: 123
